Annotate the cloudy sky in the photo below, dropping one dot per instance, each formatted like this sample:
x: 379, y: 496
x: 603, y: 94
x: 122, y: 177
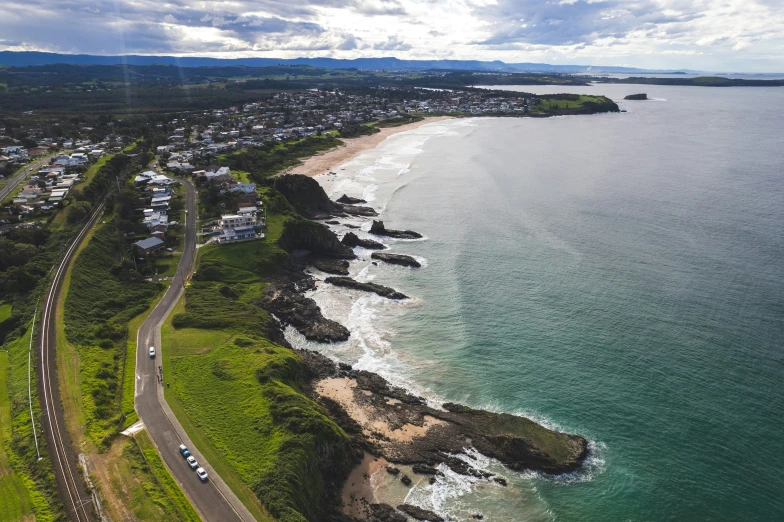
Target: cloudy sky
x: 716, y: 35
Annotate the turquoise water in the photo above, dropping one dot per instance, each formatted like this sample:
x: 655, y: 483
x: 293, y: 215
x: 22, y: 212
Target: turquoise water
x: 617, y: 276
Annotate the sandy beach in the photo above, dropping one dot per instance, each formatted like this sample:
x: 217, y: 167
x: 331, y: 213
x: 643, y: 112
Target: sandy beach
x: 329, y: 160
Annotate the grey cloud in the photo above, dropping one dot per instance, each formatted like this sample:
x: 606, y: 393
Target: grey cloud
x: 580, y: 22
x: 392, y: 43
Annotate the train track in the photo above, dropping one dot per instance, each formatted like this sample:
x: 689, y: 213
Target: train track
x: 70, y: 484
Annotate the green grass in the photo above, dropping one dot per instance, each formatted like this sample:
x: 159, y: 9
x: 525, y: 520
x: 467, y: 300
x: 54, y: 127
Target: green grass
x: 164, y: 492
x: 35, y: 476
x: 89, y: 175
x: 5, y: 311
x: 238, y: 395
x: 202, y: 341
x: 101, y: 300
x: 15, y: 502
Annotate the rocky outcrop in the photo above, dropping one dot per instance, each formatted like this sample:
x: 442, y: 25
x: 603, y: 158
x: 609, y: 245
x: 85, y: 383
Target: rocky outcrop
x: 348, y: 200
x: 384, y: 513
x: 378, y: 229
x: 292, y: 308
x: 383, y: 291
x: 353, y: 240
x: 517, y: 442
x: 301, y: 234
x: 396, y: 259
x: 641, y: 96
x: 353, y: 210
x: 305, y: 195
x: 330, y: 266
x: 419, y: 513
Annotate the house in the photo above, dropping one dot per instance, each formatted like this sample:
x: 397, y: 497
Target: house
x: 245, y: 188
x: 149, y: 246
x: 247, y: 219
x: 159, y: 231
x: 222, y: 175
x: 237, y: 234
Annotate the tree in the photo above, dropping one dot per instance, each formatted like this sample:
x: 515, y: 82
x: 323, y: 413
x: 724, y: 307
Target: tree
x: 78, y: 211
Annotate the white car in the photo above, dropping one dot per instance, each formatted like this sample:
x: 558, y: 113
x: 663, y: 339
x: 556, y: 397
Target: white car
x: 192, y: 462
x: 202, y: 474
x: 152, y: 351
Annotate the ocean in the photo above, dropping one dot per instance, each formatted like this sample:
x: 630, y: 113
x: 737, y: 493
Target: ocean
x: 618, y: 276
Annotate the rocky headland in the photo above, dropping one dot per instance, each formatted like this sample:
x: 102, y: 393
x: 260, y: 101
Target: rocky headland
x: 309, y: 199
x: 387, y: 425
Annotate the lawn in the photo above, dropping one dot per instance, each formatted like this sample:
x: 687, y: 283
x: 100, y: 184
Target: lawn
x: 15, y: 502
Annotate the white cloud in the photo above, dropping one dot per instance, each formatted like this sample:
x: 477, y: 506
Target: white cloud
x: 698, y: 34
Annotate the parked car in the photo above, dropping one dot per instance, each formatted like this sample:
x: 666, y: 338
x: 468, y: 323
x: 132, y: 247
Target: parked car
x: 192, y: 462
x: 202, y: 474
x: 184, y: 450
x: 152, y: 351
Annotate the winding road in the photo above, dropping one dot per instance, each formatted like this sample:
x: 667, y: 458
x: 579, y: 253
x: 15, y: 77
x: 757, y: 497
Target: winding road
x: 213, y: 499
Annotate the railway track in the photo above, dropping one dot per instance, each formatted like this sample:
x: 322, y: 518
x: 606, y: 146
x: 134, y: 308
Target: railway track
x: 70, y: 483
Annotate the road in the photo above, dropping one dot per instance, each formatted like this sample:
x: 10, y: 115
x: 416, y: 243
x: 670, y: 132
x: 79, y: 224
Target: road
x: 213, y: 499
x: 16, y: 180
x: 70, y: 485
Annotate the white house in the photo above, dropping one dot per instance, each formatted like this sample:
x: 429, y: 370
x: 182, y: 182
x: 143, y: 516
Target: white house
x: 237, y: 234
x: 238, y: 220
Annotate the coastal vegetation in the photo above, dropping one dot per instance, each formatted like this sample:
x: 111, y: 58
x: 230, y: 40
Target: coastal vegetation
x: 264, y: 161
x: 274, y: 445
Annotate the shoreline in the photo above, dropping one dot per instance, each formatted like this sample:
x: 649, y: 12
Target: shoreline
x: 324, y: 162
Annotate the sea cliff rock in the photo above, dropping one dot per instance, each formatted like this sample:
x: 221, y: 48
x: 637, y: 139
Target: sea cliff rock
x: 383, y: 291
x: 348, y: 200
x: 306, y: 196
x: 291, y: 307
x: 352, y: 240
x: 301, y: 234
x: 330, y: 266
x: 384, y: 513
x: 403, y: 429
x: 378, y: 229
x: 419, y: 513
x: 354, y: 210
x: 396, y: 259
x: 641, y: 96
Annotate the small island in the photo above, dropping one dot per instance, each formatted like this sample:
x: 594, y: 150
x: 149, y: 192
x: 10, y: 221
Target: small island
x: 641, y: 96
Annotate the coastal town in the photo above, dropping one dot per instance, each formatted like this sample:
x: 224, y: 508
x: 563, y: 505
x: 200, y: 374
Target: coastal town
x: 205, y: 224
x: 191, y: 143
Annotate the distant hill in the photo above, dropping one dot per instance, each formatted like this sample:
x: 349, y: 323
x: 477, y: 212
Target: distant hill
x: 22, y: 59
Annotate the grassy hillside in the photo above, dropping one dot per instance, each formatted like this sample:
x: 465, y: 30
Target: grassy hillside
x: 238, y: 394
x: 104, y: 294
x: 15, y: 502
x: 26, y: 483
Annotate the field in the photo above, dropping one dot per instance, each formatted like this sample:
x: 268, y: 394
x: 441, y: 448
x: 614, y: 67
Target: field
x: 31, y: 480
x: 15, y: 503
